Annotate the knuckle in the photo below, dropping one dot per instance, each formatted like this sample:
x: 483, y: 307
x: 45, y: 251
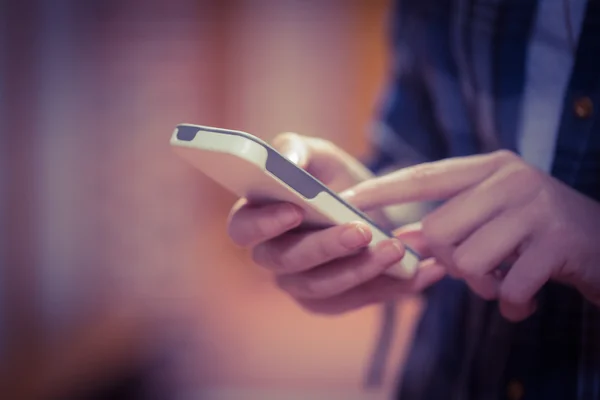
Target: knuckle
x: 428, y: 227
x: 545, y: 206
x: 464, y: 262
x: 543, y: 201
x: 432, y: 231
x: 300, y: 286
x: 524, y: 177
x: 325, y: 250
x: 542, y: 215
x: 265, y: 227
x: 554, y: 232
x: 511, y: 295
x: 520, y: 184
x: 416, y: 175
x: 267, y: 256
x: 421, y: 170
x: 261, y: 255
x: 504, y: 156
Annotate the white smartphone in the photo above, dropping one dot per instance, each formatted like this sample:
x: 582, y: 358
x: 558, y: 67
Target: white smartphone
x: 251, y: 168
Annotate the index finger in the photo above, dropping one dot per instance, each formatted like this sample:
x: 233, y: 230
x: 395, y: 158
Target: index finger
x: 436, y: 180
x: 250, y: 224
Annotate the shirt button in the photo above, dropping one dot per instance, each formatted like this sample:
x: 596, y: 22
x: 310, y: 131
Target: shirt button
x: 583, y: 107
x: 515, y: 390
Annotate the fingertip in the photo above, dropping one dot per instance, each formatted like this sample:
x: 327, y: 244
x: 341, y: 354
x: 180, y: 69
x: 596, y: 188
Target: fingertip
x: 407, y: 229
x: 413, y: 237
x: 433, y: 266
x: 390, y: 251
x: 348, y: 194
x: 253, y: 224
x: 428, y: 273
x: 292, y: 146
x: 355, y: 235
x: 289, y: 215
x: 517, y: 312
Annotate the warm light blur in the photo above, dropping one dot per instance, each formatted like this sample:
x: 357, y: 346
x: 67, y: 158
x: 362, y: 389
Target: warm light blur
x: 116, y: 269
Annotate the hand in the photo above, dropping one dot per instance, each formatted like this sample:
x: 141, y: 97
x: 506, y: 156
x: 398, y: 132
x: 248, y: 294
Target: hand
x: 499, y: 209
x: 330, y: 270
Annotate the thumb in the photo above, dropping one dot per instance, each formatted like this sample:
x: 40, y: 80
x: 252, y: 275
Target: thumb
x: 412, y: 236
x: 320, y: 158
x: 293, y: 147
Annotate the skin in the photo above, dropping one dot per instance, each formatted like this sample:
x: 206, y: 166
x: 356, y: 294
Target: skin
x: 330, y: 270
x: 499, y: 209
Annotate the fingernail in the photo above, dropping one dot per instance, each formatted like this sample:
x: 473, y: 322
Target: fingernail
x: 288, y: 214
x: 355, y: 236
x: 390, y: 251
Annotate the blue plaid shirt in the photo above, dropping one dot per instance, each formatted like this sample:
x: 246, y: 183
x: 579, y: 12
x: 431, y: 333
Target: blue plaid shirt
x: 461, y: 85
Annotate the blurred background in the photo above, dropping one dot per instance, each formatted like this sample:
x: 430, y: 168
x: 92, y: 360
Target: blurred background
x: 117, y: 277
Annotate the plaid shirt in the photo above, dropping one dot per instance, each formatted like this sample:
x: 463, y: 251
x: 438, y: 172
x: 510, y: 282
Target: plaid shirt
x: 459, y: 84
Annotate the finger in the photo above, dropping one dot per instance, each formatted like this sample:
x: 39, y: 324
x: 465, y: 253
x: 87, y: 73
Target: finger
x: 295, y: 252
x: 412, y: 236
x: 311, y: 154
x: 252, y: 224
x: 377, y: 290
x: 460, y: 216
x: 525, y: 278
x: 444, y: 255
x: 493, y: 243
x: 341, y: 275
x: 486, y: 286
x: 430, y: 271
x: 409, y: 228
x: 430, y: 181
x: 518, y: 312
x: 476, y: 259
x: 294, y: 147
x: 317, y: 156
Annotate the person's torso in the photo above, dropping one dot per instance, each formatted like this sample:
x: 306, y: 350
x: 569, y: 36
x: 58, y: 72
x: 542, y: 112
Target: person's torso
x: 522, y: 75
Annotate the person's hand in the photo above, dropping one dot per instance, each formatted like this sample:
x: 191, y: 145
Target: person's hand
x: 330, y: 270
x: 499, y: 209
